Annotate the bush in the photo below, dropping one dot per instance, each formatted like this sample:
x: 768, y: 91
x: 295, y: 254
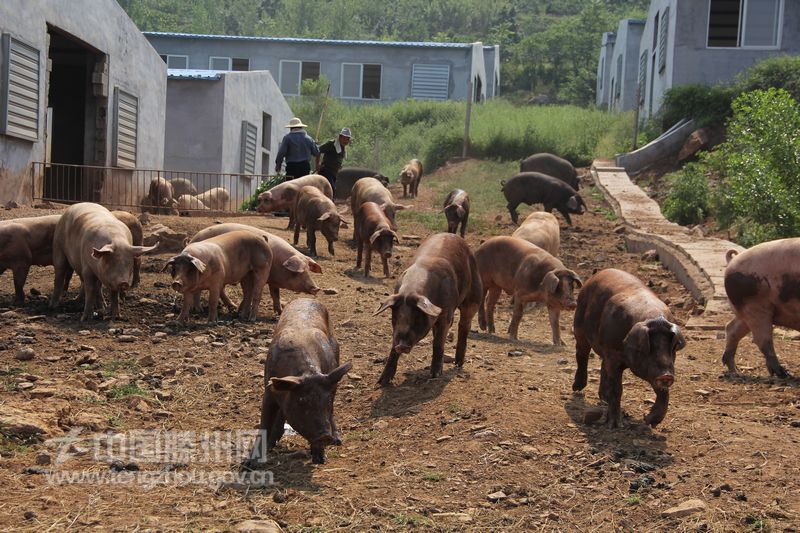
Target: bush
x: 780, y: 72
x: 252, y: 203
x: 707, y: 105
x: 687, y: 202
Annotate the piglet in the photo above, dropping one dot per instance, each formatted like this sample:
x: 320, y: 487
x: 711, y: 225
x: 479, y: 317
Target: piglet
x: 236, y: 257
x: 316, y: 212
x: 443, y: 277
x: 372, y: 190
x: 374, y: 233
x: 410, y: 177
x: 456, y: 210
x: 626, y: 324
x: 528, y: 273
x: 300, y: 379
x: 25, y: 242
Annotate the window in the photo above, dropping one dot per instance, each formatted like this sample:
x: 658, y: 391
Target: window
x: 266, y: 131
x: 602, y: 69
x: 744, y: 23
x: 249, y: 138
x: 19, y: 93
x: 662, y: 41
x: 126, y: 118
x: 173, y: 61
x: 240, y: 63
x: 219, y: 63
x: 361, y: 81
x: 429, y: 82
x: 642, y: 77
x: 293, y: 72
x: 618, y: 91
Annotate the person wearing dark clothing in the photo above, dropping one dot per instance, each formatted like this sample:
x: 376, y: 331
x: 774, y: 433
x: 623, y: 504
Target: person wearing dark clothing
x: 333, y: 154
x: 296, y: 148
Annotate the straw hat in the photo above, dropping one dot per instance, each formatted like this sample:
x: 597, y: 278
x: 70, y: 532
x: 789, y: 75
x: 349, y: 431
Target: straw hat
x: 295, y: 123
x: 345, y: 132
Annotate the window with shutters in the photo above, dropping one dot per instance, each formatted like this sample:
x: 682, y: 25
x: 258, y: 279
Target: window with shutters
x: 361, y: 81
x: 20, y: 93
x: 219, y: 63
x: 292, y: 73
x: 745, y: 23
x: 618, y: 90
x: 642, y: 77
x: 249, y: 143
x: 662, y: 41
x: 126, y: 132
x: 430, y: 82
x: 174, y: 61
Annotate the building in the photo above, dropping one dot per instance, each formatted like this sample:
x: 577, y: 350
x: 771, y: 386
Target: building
x: 707, y: 42
x: 359, y: 71
x: 622, y: 65
x: 603, y: 92
x: 79, y: 85
x: 223, y: 129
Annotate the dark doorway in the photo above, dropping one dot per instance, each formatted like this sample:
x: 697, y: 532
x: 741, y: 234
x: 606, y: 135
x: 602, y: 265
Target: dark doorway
x: 478, y: 89
x: 74, y: 118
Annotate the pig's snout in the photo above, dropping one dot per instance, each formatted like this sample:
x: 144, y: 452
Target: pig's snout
x: 313, y: 290
x: 177, y: 286
x: 402, y: 348
x: 665, y: 381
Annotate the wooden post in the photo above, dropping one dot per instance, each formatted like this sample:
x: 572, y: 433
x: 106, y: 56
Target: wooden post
x: 636, y: 116
x: 465, y: 148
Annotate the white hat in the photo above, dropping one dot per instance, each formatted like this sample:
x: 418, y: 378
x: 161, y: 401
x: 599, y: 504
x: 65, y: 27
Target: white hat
x: 345, y: 132
x: 295, y: 123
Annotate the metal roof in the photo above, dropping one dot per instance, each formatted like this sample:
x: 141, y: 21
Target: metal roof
x: 193, y: 74
x: 295, y: 40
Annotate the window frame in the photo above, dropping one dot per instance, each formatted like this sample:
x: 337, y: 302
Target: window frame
x: 186, y: 57
x: 119, y: 93
x: 212, y: 58
x: 240, y: 59
x: 5, y: 88
x: 299, y: 74
x: 360, y: 82
x: 663, y: 41
x: 743, y: 26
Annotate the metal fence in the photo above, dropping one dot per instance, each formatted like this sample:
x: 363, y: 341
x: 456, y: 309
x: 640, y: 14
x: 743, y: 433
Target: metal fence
x: 135, y: 189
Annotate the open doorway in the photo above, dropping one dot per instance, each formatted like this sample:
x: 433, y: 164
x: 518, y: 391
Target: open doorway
x: 478, y: 84
x: 77, y: 103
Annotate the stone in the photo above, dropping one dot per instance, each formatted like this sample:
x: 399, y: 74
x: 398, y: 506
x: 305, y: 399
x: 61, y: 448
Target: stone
x: 592, y: 414
x: 24, y: 354
x: 696, y: 142
x: 43, y: 459
x: 168, y: 239
x: 689, y: 507
x: 126, y: 338
x: 444, y: 438
x: 138, y: 403
x: 147, y: 360
x: 650, y: 255
x: 259, y: 526
x: 20, y: 424
x: 515, y: 353
x: 330, y: 291
x: 497, y: 496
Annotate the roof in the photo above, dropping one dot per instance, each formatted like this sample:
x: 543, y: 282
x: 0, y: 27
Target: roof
x: 296, y: 40
x: 193, y: 74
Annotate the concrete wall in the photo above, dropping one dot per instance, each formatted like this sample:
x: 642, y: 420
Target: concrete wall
x: 194, y: 117
x: 626, y: 47
x: 603, y: 92
x: 491, y: 58
x: 266, y: 54
x: 133, y: 65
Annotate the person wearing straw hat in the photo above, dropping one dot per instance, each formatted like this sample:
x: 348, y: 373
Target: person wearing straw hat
x: 333, y: 153
x: 296, y: 148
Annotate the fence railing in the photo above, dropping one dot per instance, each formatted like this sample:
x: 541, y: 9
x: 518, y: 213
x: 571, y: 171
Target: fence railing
x: 136, y: 189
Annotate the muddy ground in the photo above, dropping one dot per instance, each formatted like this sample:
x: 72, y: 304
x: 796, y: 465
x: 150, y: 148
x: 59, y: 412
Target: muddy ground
x: 500, y: 445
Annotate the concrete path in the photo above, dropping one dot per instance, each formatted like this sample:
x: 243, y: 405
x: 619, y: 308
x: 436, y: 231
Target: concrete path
x: 698, y: 262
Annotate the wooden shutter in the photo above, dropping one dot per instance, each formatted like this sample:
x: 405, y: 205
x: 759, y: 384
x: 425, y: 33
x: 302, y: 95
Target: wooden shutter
x: 249, y: 143
x: 19, y: 93
x: 662, y: 41
x: 430, y: 82
x: 126, y: 119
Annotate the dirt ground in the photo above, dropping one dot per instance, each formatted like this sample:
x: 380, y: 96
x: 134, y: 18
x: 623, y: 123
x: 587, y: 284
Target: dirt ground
x: 500, y: 445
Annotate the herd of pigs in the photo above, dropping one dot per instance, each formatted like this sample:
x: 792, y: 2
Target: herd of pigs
x: 179, y: 195
x: 616, y: 315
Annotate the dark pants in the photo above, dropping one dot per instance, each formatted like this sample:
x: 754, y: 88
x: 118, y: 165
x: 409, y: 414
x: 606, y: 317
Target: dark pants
x: 297, y: 170
x: 331, y: 176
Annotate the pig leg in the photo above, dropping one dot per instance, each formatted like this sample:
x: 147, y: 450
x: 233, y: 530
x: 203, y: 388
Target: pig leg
x: 516, y: 317
x: 296, y: 234
x: 188, y: 298
x: 213, y: 302
x: 555, y: 314
x: 561, y: 210
x: 20, y: 276
x: 464, y: 225
x: 368, y: 261
x: 275, y: 428
x: 512, y: 209
x: 257, y: 290
x: 735, y: 330
x: 762, y: 337
x: 61, y: 277
x: 659, y: 409
x: 491, y: 302
x: 311, y: 241
x: 275, y: 294
x: 137, y: 265
x: 197, y: 307
x: 611, y: 392
x: 232, y: 307
x: 330, y: 248
x: 466, y: 314
x: 247, y: 297
x: 90, y: 287
x: 439, y: 336
x: 359, y: 253
x: 114, y: 302
x: 390, y: 369
x: 385, y: 261
x: 582, y: 350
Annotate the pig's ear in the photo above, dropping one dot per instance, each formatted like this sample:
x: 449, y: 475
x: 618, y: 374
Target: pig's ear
x: 395, y: 237
x: 170, y: 263
x: 400, y: 207
x: 141, y: 250
x: 389, y: 302
x: 571, y: 274
x: 338, y: 373
x: 105, y: 250
x: 324, y: 216
x: 343, y: 223
x: 374, y: 236
x: 197, y: 263
x: 550, y: 282
x: 427, y: 307
x: 285, y: 384
x: 636, y: 343
x: 678, y: 340
x: 572, y: 203
x: 295, y: 264
x: 313, y: 266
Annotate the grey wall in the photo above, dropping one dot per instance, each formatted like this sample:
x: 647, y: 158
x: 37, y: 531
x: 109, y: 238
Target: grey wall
x: 491, y: 58
x: 603, y: 90
x: 396, y: 61
x: 133, y: 65
x: 626, y: 46
x: 193, y: 134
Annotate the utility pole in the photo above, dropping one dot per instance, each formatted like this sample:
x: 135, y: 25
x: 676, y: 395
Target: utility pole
x: 465, y: 148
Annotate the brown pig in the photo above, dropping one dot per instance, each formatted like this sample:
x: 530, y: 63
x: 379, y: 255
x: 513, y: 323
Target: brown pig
x: 161, y: 196
x: 542, y: 229
x: 301, y: 375
x: 137, y: 234
x: 443, y: 277
x: 25, y: 242
x: 626, y: 324
x: 456, y: 210
x: 375, y: 233
x: 372, y: 190
x: 529, y: 274
x: 410, y: 177
x: 216, y: 198
x: 91, y: 241
x: 290, y: 269
x: 284, y: 195
x: 236, y: 257
x: 314, y: 211
x: 763, y: 287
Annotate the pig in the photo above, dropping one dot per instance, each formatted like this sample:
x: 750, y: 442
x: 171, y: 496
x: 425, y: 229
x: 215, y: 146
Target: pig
x: 181, y: 186
x: 236, y: 257
x: 216, y: 198
x: 443, y: 277
x: 552, y: 165
x: 301, y: 375
x: 188, y: 203
x: 456, y: 210
x: 161, y: 196
x: 25, y: 242
x: 529, y: 274
x: 410, y: 177
x: 137, y: 234
x: 314, y: 211
x: 284, y: 195
x: 91, y: 241
x: 763, y: 287
x: 290, y: 269
x: 626, y: 324
x: 541, y: 229
x: 375, y: 233
x: 347, y: 177
x: 372, y: 190
x: 537, y: 188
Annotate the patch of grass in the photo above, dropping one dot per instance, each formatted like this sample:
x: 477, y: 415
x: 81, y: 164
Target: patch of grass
x: 433, y: 476
x: 633, y: 499
x: 122, y: 391
x: 115, y: 421
x: 426, y: 219
x: 410, y: 519
x: 609, y: 214
x: 757, y: 523
x: 111, y: 368
x: 361, y: 434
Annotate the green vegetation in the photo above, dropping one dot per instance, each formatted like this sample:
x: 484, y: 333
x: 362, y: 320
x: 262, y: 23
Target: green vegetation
x: 410, y: 519
x: 687, y: 201
x: 633, y: 499
x: 123, y: 391
x: 112, y: 367
x: 434, y: 476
